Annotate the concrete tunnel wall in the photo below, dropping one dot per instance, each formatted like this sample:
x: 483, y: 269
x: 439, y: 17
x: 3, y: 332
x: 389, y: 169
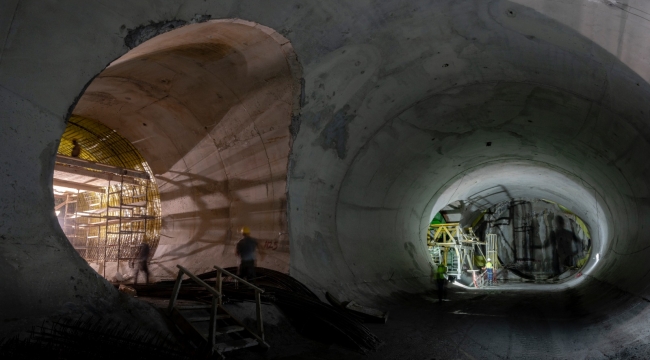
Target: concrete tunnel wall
x: 209, y: 106
x: 400, y: 100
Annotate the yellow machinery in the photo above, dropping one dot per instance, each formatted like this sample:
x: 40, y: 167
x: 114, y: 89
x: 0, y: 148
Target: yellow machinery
x: 455, y: 247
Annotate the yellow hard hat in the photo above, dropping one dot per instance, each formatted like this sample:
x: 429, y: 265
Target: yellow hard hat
x: 245, y: 230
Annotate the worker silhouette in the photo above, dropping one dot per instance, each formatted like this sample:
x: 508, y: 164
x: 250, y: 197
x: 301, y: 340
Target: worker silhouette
x: 565, y: 241
x: 246, y: 250
x: 441, y: 278
x: 76, y: 149
x: 141, y: 262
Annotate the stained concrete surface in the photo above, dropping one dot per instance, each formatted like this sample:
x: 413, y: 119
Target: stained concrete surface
x: 399, y: 102
x: 498, y: 323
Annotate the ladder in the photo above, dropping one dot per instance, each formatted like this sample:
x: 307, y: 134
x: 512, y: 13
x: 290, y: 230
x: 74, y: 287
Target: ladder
x: 454, y: 266
x: 434, y: 251
x: 491, y: 248
x: 211, y: 327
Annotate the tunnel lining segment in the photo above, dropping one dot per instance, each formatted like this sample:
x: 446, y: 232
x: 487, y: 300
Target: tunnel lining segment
x: 214, y: 125
x: 549, y: 183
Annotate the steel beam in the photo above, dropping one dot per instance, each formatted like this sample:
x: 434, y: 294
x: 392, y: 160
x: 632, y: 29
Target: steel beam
x: 62, y: 159
x: 76, y: 185
x: 94, y: 174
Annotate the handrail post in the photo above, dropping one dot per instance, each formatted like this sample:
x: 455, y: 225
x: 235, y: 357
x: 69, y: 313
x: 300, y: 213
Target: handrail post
x: 177, y: 288
x: 219, y: 286
x: 213, y: 323
x: 260, y: 324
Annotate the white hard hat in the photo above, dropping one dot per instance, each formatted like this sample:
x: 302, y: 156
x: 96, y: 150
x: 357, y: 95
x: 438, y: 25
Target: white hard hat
x: 489, y: 259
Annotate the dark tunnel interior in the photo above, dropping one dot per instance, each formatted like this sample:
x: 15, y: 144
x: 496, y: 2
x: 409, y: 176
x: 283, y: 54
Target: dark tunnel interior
x: 363, y: 144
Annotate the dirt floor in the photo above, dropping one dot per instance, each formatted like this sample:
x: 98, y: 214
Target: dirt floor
x: 483, y: 324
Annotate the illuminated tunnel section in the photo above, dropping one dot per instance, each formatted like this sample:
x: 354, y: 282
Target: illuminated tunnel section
x: 209, y: 106
x: 105, y: 213
x: 405, y: 109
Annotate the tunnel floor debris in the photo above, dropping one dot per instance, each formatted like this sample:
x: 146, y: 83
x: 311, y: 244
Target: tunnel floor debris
x: 478, y: 324
x: 303, y: 309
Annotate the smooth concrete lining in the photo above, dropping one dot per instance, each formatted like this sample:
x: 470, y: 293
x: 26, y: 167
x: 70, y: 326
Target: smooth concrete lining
x: 501, y: 181
x: 209, y: 107
x: 399, y: 102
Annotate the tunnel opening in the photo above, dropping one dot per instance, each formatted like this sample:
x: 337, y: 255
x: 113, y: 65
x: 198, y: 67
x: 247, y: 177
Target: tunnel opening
x: 397, y: 112
x: 210, y: 107
x: 106, y: 199
x: 537, y: 224
x: 524, y: 241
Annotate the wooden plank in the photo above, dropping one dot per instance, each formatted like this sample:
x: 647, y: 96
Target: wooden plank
x: 76, y: 185
x: 68, y: 160
x: 223, y: 330
x: 206, y: 317
x: 234, y: 345
x: 378, y: 315
x: 193, y: 307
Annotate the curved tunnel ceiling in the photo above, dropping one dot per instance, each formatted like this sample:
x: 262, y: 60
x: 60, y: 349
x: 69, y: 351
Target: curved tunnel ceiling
x: 399, y: 134
x: 399, y: 102
x: 209, y: 106
x: 545, y: 143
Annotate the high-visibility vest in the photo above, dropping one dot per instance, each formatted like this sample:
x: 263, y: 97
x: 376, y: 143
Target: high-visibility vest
x: 442, y: 270
x: 488, y: 265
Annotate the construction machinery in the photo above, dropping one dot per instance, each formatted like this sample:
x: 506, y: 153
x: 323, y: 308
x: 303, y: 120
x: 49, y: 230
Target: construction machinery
x: 451, y: 245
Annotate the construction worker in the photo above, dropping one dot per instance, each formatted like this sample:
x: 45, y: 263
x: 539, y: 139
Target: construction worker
x: 246, y: 250
x: 441, y: 278
x: 141, y: 262
x: 76, y: 149
x: 489, y: 268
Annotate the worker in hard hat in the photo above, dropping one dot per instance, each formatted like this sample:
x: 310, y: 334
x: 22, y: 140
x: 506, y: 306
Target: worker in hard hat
x: 76, y: 148
x: 247, y: 251
x: 490, y: 271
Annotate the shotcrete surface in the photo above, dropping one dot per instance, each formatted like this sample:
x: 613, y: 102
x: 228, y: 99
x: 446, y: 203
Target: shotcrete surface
x: 399, y: 100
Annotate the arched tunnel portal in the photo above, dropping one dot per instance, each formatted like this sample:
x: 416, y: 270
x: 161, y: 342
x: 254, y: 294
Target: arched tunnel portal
x: 398, y: 105
x: 195, y: 102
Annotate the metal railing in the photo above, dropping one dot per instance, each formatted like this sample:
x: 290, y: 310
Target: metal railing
x: 258, y: 298
x: 217, y: 300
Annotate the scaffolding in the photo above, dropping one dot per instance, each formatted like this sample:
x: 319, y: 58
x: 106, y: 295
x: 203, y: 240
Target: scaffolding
x: 107, y: 199
x: 108, y: 224
x: 451, y: 245
x: 491, y: 248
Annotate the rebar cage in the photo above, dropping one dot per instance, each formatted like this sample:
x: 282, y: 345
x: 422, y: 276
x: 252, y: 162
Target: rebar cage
x: 110, y: 225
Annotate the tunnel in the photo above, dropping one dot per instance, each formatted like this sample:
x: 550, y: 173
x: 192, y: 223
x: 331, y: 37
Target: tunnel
x: 336, y: 131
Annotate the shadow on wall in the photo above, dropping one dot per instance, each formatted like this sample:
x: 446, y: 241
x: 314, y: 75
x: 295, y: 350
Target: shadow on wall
x: 210, y: 107
x: 539, y: 239
x: 211, y: 216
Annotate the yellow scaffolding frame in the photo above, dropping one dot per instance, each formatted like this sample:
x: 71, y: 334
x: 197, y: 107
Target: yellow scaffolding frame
x: 451, y: 237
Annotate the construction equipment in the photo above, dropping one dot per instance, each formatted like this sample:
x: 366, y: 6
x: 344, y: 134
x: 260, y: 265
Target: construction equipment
x: 451, y: 245
x: 211, y: 326
x: 106, y: 222
x: 492, y: 250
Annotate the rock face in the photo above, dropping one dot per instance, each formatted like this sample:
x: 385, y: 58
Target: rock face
x: 391, y: 115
